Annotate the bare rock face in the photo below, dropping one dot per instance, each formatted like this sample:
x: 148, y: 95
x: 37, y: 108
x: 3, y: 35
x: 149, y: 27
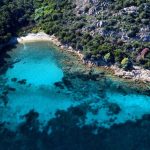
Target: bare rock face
x: 81, y: 6
x: 91, y: 5
x: 137, y: 73
x: 82, y: 3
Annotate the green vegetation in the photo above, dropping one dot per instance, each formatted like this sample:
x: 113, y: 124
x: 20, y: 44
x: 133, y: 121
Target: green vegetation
x: 59, y: 17
x: 15, y: 14
x: 126, y: 64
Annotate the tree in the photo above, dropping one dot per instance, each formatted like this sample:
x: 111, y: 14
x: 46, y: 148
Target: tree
x: 109, y: 58
x: 126, y: 64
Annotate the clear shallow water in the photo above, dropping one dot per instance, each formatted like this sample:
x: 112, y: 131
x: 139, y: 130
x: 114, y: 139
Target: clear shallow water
x: 132, y: 107
x: 32, y: 75
x: 37, y: 67
x: 47, y: 93
x: 35, y: 64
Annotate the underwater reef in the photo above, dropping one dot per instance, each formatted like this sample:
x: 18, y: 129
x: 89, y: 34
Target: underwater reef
x: 49, y: 102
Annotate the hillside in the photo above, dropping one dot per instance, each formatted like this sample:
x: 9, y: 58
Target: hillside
x: 106, y: 31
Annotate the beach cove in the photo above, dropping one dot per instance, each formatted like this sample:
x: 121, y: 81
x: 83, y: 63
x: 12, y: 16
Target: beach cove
x: 136, y: 74
x: 75, y: 75
x: 42, y: 79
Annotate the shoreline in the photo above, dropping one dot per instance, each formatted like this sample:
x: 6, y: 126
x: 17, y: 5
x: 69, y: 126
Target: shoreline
x: 137, y: 74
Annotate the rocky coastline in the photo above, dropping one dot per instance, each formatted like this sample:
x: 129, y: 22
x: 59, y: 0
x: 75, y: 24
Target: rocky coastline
x: 136, y: 74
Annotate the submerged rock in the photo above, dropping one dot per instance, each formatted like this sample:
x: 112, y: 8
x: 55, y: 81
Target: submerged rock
x: 59, y: 84
x: 4, y: 98
x: 23, y: 81
x: 11, y: 89
x: 114, y: 108
x: 78, y: 111
x: 67, y: 82
x: 14, y: 79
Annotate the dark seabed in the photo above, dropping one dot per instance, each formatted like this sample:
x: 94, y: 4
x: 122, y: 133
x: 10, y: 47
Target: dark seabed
x: 51, y: 101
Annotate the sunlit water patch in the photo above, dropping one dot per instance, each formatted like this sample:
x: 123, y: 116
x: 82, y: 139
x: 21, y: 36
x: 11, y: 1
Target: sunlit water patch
x: 43, y: 79
x: 35, y: 64
x: 119, y: 108
x: 31, y: 78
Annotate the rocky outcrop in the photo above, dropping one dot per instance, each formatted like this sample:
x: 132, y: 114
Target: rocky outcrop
x: 93, y: 6
x: 137, y: 73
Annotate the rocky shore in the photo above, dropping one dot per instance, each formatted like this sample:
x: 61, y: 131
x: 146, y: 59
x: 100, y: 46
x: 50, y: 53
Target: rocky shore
x: 137, y: 74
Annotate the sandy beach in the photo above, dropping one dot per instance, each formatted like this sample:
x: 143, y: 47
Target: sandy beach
x: 137, y: 74
x: 41, y: 36
x: 35, y: 37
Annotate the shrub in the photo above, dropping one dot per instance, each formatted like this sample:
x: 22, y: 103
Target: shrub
x: 109, y: 58
x: 131, y: 33
x: 126, y: 64
x: 147, y: 65
x: 119, y: 54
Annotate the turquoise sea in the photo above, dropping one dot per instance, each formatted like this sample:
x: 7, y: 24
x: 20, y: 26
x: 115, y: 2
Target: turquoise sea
x: 51, y: 101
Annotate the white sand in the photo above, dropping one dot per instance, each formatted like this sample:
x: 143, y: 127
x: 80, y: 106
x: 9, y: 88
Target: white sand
x: 36, y: 37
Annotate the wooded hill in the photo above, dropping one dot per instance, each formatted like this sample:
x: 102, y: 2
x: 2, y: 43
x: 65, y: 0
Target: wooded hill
x: 106, y: 31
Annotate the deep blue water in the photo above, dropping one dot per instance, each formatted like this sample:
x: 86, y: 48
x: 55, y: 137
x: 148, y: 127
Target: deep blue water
x: 49, y: 100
